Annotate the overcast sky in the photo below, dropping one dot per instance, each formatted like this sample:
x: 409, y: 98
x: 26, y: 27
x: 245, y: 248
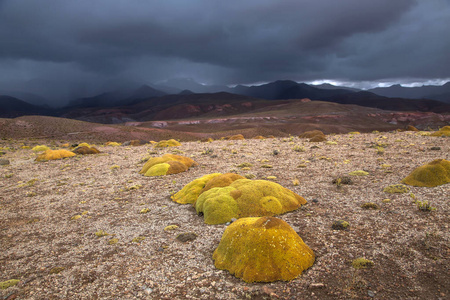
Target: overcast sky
x: 93, y: 42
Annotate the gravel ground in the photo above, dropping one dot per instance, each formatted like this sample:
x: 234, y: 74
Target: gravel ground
x: 58, y: 257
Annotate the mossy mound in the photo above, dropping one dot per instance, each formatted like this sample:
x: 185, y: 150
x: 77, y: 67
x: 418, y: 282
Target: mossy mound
x: 114, y: 144
x: 40, y: 148
x: 166, y: 158
x: 259, y: 137
x: 444, y: 131
x: 317, y: 139
x: 310, y: 134
x: 222, y: 181
x: 190, y: 192
x: 246, y: 198
x: 167, y: 143
x: 362, y: 263
x: 358, y: 173
x: 85, y: 150
x: 262, y: 249
x: 166, y: 168
x: 54, y: 154
x: 433, y: 174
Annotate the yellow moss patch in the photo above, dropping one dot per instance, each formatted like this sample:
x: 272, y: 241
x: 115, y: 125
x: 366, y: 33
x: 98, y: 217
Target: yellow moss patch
x: 54, y: 154
x: 358, y: 173
x: 170, y: 227
x: 246, y: 198
x: 444, y: 131
x: 362, y: 263
x: 235, y: 137
x: 396, y: 189
x: 433, y: 174
x: 114, y: 144
x: 8, y: 283
x: 263, y: 249
x: 40, y: 148
x: 167, y: 143
x: 190, y: 192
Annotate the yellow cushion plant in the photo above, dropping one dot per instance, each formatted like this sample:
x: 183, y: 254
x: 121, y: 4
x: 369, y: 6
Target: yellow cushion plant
x: 167, y: 143
x: 246, y: 198
x: 444, y: 131
x: 54, y: 154
x: 190, y: 192
x: 433, y: 174
x: 171, y: 168
x: 262, y: 249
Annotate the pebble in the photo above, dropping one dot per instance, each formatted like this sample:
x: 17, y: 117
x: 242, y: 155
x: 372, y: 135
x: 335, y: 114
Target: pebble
x: 371, y: 294
x: 315, y: 200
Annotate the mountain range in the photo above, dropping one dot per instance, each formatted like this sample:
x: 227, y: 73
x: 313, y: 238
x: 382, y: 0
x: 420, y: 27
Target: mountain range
x: 183, y: 98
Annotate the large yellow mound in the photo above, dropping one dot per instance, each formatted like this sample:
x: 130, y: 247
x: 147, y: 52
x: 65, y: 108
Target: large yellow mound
x: 262, y: 249
x: 246, y: 198
x: 433, y: 174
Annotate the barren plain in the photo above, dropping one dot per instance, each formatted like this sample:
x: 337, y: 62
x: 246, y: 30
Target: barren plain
x: 114, y: 251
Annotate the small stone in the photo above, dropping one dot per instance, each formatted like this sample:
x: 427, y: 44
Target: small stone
x: 371, y: 294
x: 186, y: 237
x: 435, y: 148
x: 318, y: 285
x: 315, y: 201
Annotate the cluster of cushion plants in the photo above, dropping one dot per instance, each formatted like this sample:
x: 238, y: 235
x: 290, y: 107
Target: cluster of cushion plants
x: 166, y: 165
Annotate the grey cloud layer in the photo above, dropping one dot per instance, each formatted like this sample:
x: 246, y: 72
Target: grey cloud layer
x: 228, y: 41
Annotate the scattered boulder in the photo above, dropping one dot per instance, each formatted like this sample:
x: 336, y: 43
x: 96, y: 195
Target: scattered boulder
x: 262, y: 249
x: 246, y: 198
x: 411, y: 128
x: 433, y: 174
x: 54, y: 154
x: 134, y: 143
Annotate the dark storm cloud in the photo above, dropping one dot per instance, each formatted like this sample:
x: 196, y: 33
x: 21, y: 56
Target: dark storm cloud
x: 224, y: 41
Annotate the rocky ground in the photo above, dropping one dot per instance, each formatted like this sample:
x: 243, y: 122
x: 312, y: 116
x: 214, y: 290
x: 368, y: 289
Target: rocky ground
x: 114, y: 251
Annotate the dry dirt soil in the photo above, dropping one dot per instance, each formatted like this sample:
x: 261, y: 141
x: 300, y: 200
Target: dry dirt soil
x: 56, y: 256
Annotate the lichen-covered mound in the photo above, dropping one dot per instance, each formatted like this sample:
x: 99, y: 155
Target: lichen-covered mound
x: 246, y: 198
x: 444, y: 131
x: 190, y: 192
x: 262, y: 250
x: 40, y: 148
x: 167, y: 143
x: 85, y: 150
x: 433, y: 174
x: 171, y: 163
x: 54, y: 154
